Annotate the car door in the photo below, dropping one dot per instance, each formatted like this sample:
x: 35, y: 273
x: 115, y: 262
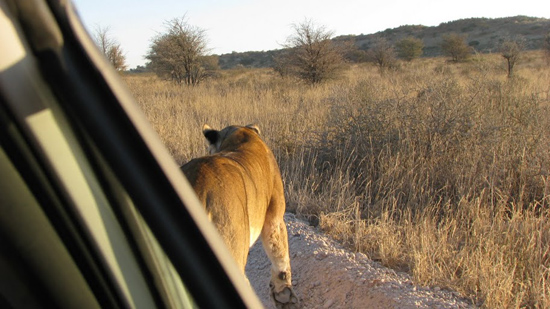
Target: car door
x: 94, y: 213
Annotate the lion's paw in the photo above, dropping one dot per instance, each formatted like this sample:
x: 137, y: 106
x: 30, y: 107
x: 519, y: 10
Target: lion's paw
x: 286, y: 299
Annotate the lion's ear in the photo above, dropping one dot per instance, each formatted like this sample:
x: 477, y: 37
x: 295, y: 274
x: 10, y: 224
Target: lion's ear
x: 254, y: 127
x: 211, y: 135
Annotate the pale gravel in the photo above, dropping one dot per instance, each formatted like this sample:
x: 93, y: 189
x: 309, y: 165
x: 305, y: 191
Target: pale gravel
x: 326, y: 275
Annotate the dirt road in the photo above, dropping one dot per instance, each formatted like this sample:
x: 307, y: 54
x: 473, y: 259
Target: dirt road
x: 326, y: 275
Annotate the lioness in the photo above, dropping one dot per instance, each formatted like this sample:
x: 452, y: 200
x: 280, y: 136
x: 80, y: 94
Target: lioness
x: 240, y: 186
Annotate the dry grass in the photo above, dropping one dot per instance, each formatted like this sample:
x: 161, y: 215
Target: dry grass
x: 441, y: 170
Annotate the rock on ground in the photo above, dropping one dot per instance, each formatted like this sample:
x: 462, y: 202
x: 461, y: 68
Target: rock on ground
x: 325, y: 275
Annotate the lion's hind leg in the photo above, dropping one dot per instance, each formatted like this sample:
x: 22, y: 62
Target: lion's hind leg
x: 275, y: 242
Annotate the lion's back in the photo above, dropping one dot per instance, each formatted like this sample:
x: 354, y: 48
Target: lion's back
x: 213, y: 175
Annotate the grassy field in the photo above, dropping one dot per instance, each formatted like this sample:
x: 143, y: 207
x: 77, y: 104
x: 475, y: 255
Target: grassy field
x: 438, y: 169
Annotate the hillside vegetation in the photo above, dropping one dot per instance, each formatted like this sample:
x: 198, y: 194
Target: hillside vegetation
x: 483, y: 34
x: 438, y: 169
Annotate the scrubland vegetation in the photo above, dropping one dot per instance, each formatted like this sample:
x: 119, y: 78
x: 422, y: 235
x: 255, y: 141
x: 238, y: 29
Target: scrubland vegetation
x: 438, y: 169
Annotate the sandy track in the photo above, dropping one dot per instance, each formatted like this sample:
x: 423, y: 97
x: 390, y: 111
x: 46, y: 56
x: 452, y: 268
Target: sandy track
x: 326, y: 275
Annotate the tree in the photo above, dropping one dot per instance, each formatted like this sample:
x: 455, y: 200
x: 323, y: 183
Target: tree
x: 454, y: 46
x: 179, y: 54
x: 311, y: 54
x: 511, y: 50
x: 409, y: 48
x: 210, y: 63
x: 110, y: 48
x: 382, y: 54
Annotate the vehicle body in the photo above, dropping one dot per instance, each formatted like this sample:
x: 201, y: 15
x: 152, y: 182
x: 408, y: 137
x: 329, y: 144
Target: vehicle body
x: 94, y: 213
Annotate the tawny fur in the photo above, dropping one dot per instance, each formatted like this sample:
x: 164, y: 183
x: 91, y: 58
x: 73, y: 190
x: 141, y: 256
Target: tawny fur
x: 240, y: 186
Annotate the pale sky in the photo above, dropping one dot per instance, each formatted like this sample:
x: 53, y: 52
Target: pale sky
x: 247, y: 25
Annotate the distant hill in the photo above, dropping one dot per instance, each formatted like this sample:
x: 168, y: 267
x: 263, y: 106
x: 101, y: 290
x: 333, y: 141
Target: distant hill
x: 483, y: 34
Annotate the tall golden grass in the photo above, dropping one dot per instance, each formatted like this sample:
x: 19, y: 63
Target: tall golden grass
x: 438, y: 169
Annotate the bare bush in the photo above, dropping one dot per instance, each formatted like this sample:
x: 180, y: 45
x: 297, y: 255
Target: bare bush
x: 110, y: 48
x: 511, y: 50
x: 382, y: 54
x: 311, y: 54
x: 409, y: 48
x: 179, y: 53
x: 454, y: 46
